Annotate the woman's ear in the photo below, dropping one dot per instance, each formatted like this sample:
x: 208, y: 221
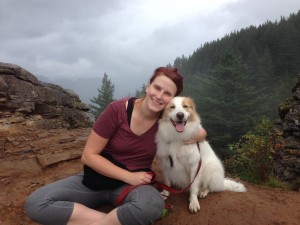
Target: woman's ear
x: 147, y: 86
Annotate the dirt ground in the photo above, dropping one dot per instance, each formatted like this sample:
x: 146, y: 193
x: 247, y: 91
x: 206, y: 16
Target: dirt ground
x: 259, y: 205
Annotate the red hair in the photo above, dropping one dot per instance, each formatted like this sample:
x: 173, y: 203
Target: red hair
x: 171, y: 73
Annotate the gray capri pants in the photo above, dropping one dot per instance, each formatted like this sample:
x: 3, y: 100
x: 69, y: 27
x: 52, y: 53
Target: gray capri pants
x: 53, y: 203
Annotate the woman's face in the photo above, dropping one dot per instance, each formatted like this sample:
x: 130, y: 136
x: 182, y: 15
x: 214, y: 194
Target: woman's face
x: 160, y: 92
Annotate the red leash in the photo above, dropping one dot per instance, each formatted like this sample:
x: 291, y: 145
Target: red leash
x: 129, y: 188
x: 176, y: 191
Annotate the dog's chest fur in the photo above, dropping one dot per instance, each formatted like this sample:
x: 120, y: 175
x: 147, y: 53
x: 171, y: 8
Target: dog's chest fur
x: 177, y: 159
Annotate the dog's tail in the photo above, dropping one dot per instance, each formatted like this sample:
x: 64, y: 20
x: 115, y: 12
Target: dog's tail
x: 231, y: 185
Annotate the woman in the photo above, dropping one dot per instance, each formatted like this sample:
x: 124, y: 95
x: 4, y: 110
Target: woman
x: 121, y: 146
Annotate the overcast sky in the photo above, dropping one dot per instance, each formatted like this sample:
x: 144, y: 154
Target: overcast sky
x: 127, y: 39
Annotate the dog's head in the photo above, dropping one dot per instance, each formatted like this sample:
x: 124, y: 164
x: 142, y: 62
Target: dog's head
x: 180, y: 111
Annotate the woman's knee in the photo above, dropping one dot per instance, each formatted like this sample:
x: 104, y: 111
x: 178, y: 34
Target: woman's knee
x: 44, y: 210
x: 144, y: 207
x: 32, y: 206
x: 153, y: 203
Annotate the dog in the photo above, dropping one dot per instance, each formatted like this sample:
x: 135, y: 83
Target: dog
x: 179, y: 161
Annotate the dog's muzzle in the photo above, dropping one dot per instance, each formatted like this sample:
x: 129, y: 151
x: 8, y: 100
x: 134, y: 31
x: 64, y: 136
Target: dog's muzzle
x: 179, y: 123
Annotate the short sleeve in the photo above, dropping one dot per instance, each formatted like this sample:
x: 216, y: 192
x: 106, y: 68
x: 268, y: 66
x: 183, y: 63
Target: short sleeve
x: 108, y: 121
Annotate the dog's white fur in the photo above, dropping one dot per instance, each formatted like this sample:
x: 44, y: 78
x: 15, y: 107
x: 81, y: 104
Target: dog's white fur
x: 179, y: 162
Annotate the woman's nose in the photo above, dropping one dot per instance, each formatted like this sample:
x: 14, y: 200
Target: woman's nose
x: 159, y: 95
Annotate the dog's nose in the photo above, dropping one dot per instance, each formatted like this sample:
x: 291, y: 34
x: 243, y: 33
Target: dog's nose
x: 180, y: 115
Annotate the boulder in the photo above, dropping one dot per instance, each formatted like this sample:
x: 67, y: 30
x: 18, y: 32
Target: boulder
x: 26, y: 101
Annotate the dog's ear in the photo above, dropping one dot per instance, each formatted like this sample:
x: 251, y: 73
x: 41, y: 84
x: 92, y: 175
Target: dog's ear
x: 190, y: 102
x: 193, y: 104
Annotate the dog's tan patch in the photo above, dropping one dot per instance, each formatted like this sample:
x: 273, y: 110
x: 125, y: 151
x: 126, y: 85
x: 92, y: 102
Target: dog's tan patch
x: 190, y: 106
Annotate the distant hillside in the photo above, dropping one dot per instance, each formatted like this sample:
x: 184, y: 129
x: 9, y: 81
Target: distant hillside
x: 242, y: 77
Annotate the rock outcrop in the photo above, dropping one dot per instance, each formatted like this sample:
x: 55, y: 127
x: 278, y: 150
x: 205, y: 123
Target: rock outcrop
x: 287, y: 164
x: 37, y: 124
x: 28, y: 102
x: 43, y: 130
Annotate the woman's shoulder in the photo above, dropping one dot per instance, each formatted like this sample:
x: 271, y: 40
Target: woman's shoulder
x: 118, y: 103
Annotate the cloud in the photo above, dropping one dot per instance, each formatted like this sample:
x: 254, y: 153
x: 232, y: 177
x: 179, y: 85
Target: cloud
x: 127, y: 39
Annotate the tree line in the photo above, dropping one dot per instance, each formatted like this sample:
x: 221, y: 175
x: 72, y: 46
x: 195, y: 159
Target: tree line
x: 243, y: 77
x: 236, y: 80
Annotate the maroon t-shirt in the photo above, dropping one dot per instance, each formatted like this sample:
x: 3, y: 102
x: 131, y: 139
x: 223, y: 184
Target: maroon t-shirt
x: 133, y: 151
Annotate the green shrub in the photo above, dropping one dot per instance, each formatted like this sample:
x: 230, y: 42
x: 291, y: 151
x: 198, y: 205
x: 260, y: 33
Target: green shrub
x: 252, y: 158
x: 276, y: 183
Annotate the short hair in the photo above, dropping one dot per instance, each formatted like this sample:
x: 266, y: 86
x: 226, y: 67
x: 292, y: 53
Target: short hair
x: 173, y: 74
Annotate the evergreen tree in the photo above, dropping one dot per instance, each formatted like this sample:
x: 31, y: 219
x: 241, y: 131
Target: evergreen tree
x: 105, y: 96
x: 263, y: 76
x: 141, y: 93
x: 228, y: 102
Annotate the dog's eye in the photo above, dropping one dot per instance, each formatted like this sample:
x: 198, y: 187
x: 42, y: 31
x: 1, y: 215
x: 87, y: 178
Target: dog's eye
x: 185, y: 106
x: 172, y: 107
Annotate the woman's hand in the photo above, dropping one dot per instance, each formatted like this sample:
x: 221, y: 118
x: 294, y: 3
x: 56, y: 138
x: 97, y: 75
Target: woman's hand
x: 137, y: 178
x: 199, y: 137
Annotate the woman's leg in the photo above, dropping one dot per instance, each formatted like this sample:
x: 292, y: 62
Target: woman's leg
x: 142, y: 206
x: 54, y: 203
x: 83, y: 215
x: 109, y: 219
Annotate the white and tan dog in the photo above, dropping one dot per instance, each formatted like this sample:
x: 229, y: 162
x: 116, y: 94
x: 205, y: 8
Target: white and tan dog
x: 179, y: 162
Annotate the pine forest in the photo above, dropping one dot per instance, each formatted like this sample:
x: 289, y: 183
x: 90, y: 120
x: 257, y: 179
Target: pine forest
x: 243, y: 77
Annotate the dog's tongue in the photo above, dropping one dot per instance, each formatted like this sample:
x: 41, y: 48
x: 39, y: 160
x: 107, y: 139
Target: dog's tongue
x: 179, y: 126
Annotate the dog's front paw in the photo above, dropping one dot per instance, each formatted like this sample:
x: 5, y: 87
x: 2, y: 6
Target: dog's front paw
x: 194, y: 206
x: 165, y: 194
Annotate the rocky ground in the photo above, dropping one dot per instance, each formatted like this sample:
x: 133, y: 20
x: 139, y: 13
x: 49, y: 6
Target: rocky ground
x: 259, y: 205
